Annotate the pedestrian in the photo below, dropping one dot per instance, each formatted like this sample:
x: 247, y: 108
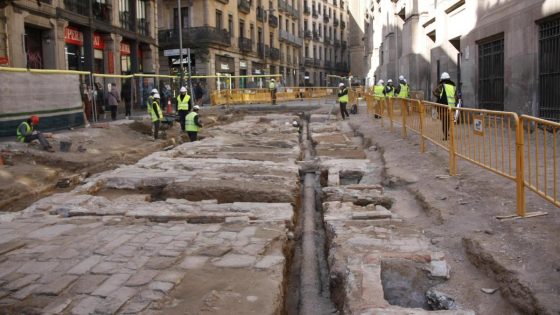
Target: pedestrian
x: 126, y: 96
x: 198, y: 94
x: 184, y: 105
x: 114, y: 99
x: 156, y: 115
x: 446, y: 94
x: 343, y: 100
x: 193, y: 124
x: 402, y: 90
x: 27, y: 132
x: 272, y: 89
x: 86, y: 99
x: 99, y: 99
x: 389, y: 89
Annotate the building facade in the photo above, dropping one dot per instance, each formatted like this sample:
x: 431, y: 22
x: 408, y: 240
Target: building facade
x: 102, y: 36
x: 325, y: 32
x: 504, y: 54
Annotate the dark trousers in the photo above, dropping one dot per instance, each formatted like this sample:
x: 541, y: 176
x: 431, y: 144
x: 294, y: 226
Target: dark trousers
x: 182, y: 114
x: 113, y: 112
x: 273, y: 96
x: 343, y: 110
x: 127, y: 107
x: 444, y: 115
x: 156, y: 128
x: 192, y: 135
x: 38, y: 136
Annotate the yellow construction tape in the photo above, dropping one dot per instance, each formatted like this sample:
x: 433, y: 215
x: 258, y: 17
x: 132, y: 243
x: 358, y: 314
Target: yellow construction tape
x: 47, y: 71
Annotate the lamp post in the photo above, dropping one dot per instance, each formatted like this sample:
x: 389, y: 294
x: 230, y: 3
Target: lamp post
x: 182, y: 71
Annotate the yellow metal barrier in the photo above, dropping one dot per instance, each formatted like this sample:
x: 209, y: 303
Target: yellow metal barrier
x: 256, y: 96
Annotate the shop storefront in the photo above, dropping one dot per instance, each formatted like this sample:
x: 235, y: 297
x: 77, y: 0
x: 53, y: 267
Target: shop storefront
x: 125, y: 58
x: 242, y: 71
x: 225, y: 66
x: 98, y: 59
x: 74, y: 48
x: 34, y: 47
x: 258, y: 69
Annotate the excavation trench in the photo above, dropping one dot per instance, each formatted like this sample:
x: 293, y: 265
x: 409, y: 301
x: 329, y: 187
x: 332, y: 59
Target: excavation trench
x: 308, y: 275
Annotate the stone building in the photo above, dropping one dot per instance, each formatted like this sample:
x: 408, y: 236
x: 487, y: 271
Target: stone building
x: 103, y: 36
x: 504, y: 53
x: 326, y: 40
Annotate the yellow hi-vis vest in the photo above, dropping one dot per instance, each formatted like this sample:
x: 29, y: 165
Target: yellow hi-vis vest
x: 403, y: 93
x: 272, y: 86
x: 153, y: 114
x: 344, y: 98
x: 391, y: 93
x: 190, y: 124
x: 28, y: 129
x: 149, y: 104
x: 183, y: 104
x: 450, y: 93
x: 378, y: 90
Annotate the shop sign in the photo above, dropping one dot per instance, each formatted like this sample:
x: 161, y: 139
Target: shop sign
x: 4, y: 61
x: 98, y: 42
x: 125, y: 49
x: 73, y: 36
x: 242, y: 64
x: 224, y: 66
x: 257, y: 71
x: 173, y: 52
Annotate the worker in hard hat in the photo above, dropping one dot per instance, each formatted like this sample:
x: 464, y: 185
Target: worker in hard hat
x: 402, y: 89
x: 379, y: 92
x: 445, y: 93
x: 389, y: 89
x: 193, y: 124
x: 184, y: 105
x: 27, y: 132
x: 156, y: 115
x: 150, y: 101
x: 343, y: 100
x: 272, y: 89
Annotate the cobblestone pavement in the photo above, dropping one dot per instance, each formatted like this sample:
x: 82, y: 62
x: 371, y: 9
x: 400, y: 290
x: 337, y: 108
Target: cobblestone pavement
x: 139, y: 239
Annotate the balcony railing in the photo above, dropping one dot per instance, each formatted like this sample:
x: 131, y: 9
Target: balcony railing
x: 295, y: 13
x: 244, y: 6
x: 326, y: 18
x: 317, y: 62
x: 309, y: 62
x: 290, y: 38
x: 263, y: 50
x: 272, y: 20
x: 341, y: 66
x: 326, y: 39
x: 261, y: 14
x: 245, y: 44
x: 125, y: 20
x: 342, y: 24
x: 283, y: 6
x: 102, y: 11
x: 143, y: 27
x: 224, y: 1
x: 336, y: 42
x: 274, y: 53
x: 316, y: 35
x: 342, y: 3
x: 195, y: 37
x: 328, y: 64
x: 308, y: 35
x: 306, y: 10
x: 77, y: 6
x: 343, y: 43
x: 335, y: 22
x: 314, y: 13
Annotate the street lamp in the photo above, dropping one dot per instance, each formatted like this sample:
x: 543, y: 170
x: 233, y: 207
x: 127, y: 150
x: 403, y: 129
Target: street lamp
x: 182, y: 75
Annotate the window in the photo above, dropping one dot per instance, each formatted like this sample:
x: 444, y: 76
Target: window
x: 271, y: 39
x: 230, y: 25
x: 549, y: 69
x: 252, y: 35
x: 219, y: 19
x: 185, y: 22
x: 491, y: 73
x: 241, y: 28
x: 140, y: 9
x: 280, y: 22
x: 315, y: 52
x: 306, y: 51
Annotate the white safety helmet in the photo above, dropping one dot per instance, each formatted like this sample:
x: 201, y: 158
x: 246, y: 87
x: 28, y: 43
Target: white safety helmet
x: 380, y: 82
x: 156, y: 96
x: 445, y: 76
x: 196, y: 107
x: 183, y: 89
x: 154, y: 91
x: 295, y: 123
x: 401, y: 78
x: 340, y: 84
x: 272, y: 80
x: 390, y: 81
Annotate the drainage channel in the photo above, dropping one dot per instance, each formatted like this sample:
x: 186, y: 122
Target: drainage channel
x: 308, y: 276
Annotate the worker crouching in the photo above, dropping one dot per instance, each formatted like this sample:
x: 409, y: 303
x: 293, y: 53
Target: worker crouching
x: 26, y: 132
x: 193, y: 124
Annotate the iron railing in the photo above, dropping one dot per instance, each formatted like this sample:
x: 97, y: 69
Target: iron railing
x: 491, y: 75
x: 195, y: 36
x: 245, y: 44
x: 102, y: 11
x: 274, y: 53
x: 261, y: 14
x: 549, y: 70
x: 272, y: 20
x: 244, y: 6
x: 143, y: 27
x: 125, y: 20
x: 77, y: 6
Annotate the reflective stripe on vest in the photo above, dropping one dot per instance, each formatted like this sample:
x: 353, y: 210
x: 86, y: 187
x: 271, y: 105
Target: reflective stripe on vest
x: 450, y: 93
x: 344, y: 98
x: 28, y: 129
x: 404, y: 91
x: 190, y: 124
x: 153, y: 114
x: 378, y: 90
x: 184, y: 104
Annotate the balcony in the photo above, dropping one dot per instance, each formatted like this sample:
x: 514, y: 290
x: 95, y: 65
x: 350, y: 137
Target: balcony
x: 274, y: 53
x: 335, y: 22
x: 342, y: 4
x: 308, y: 35
x: 272, y: 20
x: 327, y: 39
x: 316, y: 35
x: 341, y: 66
x: 126, y: 20
x: 261, y: 14
x: 283, y: 6
x: 309, y: 62
x: 306, y: 10
x: 143, y: 27
x: 224, y: 1
x: 290, y: 38
x: 245, y: 44
x: 317, y: 62
x: 244, y: 6
x: 77, y: 6
x: 342, y: 24
x: 263, y: 50
x: 295, y: 13
x: 336, y: 42
x: 102, y: 11
x: 344, y: 45
x: 326, y: 18
x: 314, y: 13
x: 328, y: 64
x: 194, y: 37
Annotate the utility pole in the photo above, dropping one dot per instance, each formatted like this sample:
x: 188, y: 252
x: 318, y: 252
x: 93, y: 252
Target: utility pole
x: 182, y: 70
x: 189, y: 66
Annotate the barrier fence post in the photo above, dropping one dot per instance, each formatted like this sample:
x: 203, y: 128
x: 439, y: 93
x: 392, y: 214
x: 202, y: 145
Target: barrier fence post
x: 452, y: 155
x: 403, y: 114
x: 520, y: 166
x: 421, y: 109
x: 390, y: 112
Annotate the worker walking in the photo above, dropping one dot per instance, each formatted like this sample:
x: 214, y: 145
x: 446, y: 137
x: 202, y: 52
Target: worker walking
x: 26, y: 133
x: 445, y: 93
x: 402, y: 89
x: 379, y: 89
x: 150, y: 101
x: 193, y: 124
x: 389, y: 89
x: 156, y: 115
x: 343, y: 100
x: 184, y: 105
x: 272, y: 89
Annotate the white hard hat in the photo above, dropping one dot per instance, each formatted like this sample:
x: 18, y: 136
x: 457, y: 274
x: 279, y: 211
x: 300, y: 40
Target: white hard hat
x: 340, y: 84
x: 380, y: 82
x: 156, y: 96
x: 272, y: 80
x: 154, y: 91
x: 183, y: 89
x: 444, y: 76
x: 295, y: 123
x: 196, y: 107
x: 390, y: 81
x: 401, y: 77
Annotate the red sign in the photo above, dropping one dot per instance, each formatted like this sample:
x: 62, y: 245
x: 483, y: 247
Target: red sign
x: 125, y: 49
x: 98, y: 42
x: 110, y: 63
x: 73, y: 36
x: 4, y: 61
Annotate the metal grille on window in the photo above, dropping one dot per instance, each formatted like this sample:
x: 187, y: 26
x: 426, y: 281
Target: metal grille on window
x: 491, y: 75
x: 549, y: 70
